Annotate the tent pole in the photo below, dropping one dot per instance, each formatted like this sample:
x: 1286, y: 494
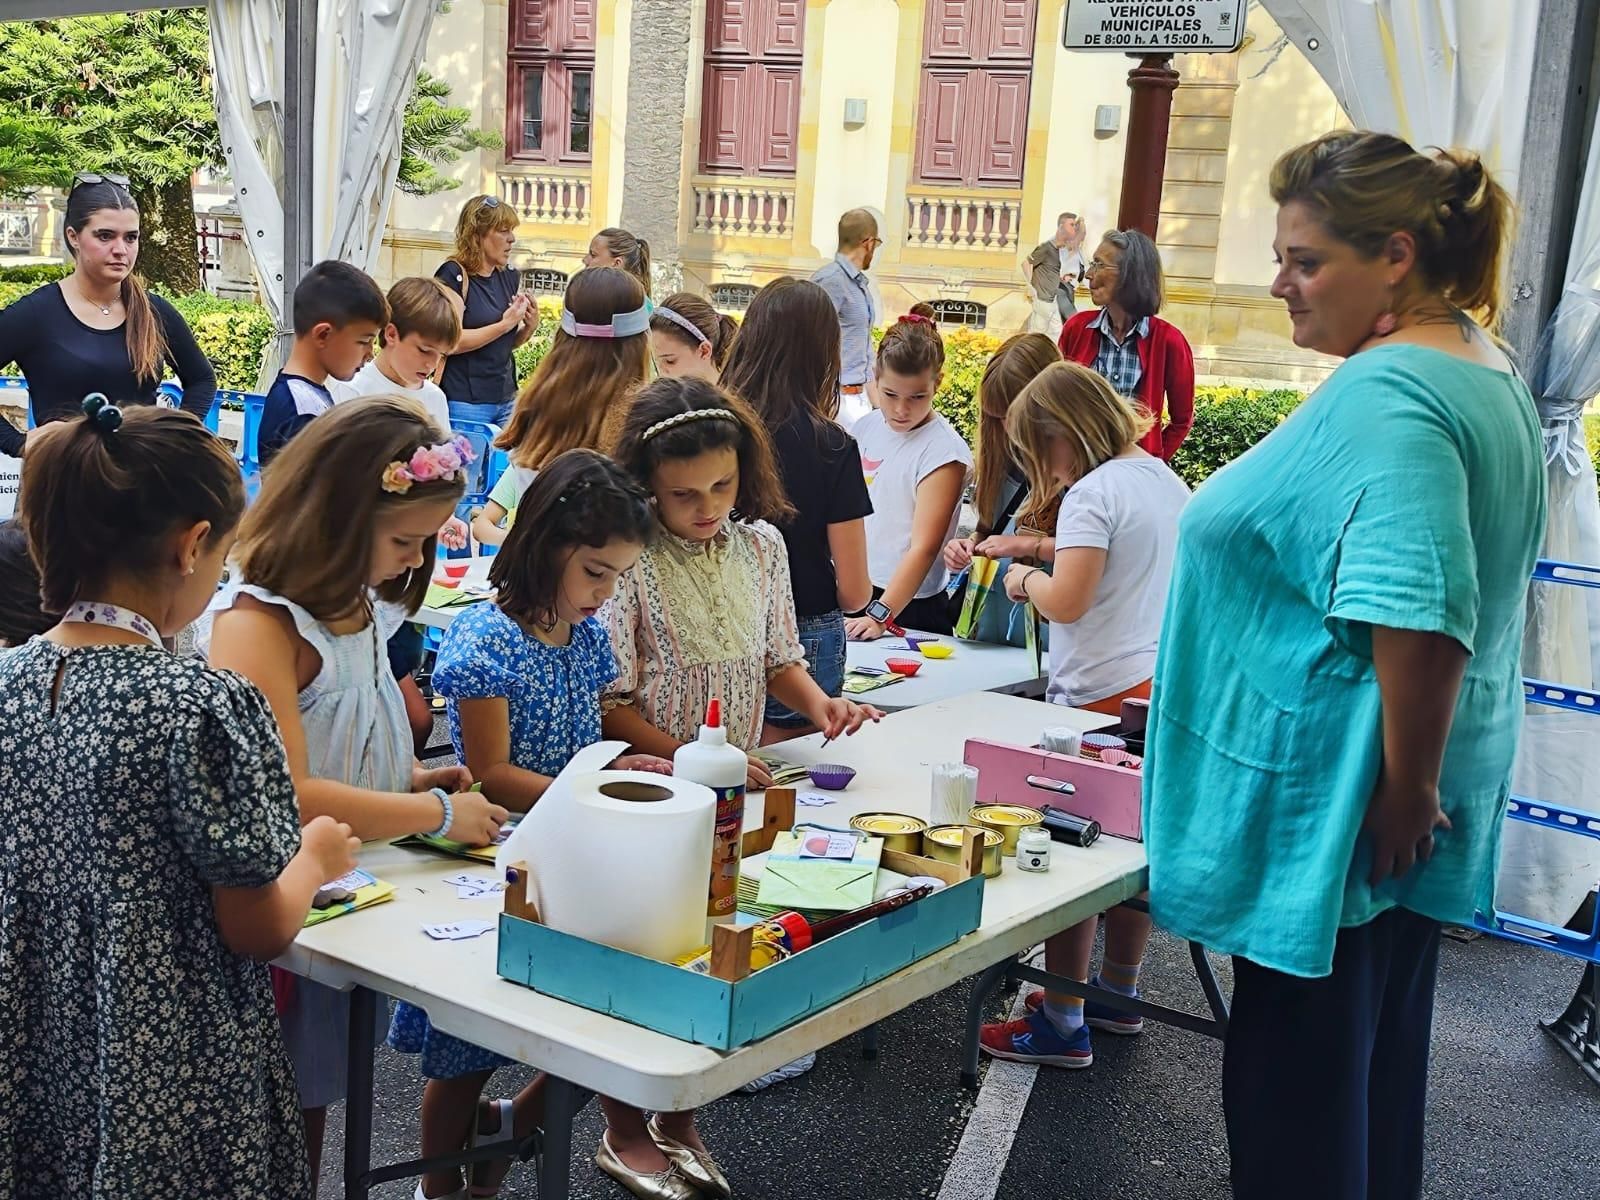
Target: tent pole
x: 1551, y: 172
x: 299, y: 138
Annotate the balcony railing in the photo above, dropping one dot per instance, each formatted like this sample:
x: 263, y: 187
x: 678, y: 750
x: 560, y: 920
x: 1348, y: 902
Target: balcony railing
x: 548, y: 199
x: 744, y: 208
x: 947, y: 222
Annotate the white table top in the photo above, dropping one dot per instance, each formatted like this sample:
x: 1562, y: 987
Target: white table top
x: 385, y: 949
x: 974, y: 667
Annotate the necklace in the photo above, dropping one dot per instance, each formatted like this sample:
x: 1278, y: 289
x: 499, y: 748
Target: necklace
x: 98, y: 612
x: 105, y: 309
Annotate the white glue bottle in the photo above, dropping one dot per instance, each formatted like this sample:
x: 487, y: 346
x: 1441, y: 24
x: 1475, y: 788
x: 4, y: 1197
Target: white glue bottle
x: 711, y: 761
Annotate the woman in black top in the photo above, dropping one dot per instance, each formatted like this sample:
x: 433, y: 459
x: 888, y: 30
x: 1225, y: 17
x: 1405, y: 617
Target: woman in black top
x: 785, y: 364
x: 479, y: 381
x: 98, y: 330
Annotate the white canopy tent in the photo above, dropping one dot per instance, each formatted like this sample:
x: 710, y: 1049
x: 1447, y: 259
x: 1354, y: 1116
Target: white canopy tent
x: 1458, y: 73
x: 361, y: 58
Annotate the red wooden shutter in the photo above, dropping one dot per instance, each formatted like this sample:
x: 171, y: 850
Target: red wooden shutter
x: 1008, y: 30
x: 1002, y: 133
x: 578, y: 21
x: 945, y: 114
x: 783, y: 30
x: 723, y: 114
x: 530, y: 25
x: 780, y: 119
x: 951, y: 25
x: 729, y: 27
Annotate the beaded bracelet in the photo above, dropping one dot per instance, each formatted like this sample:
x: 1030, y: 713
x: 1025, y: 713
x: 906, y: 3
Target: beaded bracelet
x: 449, y: 812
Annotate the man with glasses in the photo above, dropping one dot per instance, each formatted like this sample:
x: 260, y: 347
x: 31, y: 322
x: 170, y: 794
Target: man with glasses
x: 1053, y: 272
x: 845, y: 281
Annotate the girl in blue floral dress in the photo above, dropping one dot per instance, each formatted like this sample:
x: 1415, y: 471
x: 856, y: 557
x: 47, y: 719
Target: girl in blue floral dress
x: 522, y: 678
x: 142, y: 1057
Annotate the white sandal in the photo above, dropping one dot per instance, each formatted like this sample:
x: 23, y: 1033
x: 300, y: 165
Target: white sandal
x: 458, y: 1194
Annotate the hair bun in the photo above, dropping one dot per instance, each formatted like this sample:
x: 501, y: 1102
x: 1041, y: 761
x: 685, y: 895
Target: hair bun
x: 103, y: 415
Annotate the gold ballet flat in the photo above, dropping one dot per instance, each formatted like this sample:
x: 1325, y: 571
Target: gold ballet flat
x: 697, y: 1166
x: 647, y: 1185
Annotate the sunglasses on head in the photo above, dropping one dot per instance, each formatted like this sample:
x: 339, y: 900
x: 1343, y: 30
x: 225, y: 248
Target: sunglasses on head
x: 490, y: 201
x: 92, y: 177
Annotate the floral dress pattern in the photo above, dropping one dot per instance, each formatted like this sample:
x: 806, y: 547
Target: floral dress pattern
x: 693, y: 620
x: 141, y: 1056
x: 552, y: 696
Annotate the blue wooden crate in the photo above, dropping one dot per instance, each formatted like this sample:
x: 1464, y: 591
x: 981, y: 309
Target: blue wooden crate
x: 723, y: 1015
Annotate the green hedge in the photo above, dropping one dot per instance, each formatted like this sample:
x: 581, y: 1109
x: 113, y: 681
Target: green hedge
x: 34, y: 273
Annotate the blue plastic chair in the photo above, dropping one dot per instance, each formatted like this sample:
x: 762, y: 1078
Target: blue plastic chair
x: 480, y: 435
x: 249, y: 452
x: 173, y: 395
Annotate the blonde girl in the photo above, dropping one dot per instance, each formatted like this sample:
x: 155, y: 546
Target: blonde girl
x: 600, y: 354
x: 1114, y: 542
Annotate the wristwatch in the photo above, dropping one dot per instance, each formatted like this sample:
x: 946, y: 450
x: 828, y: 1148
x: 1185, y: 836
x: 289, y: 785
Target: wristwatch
x: 879, y: 612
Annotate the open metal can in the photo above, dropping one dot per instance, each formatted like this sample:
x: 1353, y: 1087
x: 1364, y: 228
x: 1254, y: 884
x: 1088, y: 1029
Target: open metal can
x: 943, y: 842
x: 899, y: 832
x: 1008, y: 820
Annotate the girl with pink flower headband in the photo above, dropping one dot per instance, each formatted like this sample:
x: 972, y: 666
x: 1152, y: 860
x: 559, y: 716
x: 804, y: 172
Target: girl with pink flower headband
x: 334, y: 555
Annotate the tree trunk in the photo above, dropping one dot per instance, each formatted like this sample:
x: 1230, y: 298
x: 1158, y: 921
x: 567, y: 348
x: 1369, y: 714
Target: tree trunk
x: 653, y: 156
x: 168, y: 252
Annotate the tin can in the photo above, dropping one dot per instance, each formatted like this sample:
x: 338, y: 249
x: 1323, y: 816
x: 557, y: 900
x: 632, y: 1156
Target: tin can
x: 1033, y: 850
x: 943, y: 842
x: 899, y: 832
x: 1007, y: 820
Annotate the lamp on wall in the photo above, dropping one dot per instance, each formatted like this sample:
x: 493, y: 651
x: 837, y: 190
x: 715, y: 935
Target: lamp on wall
x: 1107, y: 120
x: 855, y: 114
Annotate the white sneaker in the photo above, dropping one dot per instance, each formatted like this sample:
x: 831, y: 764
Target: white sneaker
x: 793, y: 1071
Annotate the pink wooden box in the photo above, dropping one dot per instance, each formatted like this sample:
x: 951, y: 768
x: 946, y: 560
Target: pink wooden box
x: 1109, y: 795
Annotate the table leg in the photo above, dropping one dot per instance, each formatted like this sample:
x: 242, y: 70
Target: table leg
x: 1208, y: 985
x: 358, y: 1104
x: 981, y: 991
x: 869, y: 1042
x: 561, y: 1104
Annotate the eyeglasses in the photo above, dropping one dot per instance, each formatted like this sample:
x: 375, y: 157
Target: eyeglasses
x: 91, y: 177
x: 1096, y: 265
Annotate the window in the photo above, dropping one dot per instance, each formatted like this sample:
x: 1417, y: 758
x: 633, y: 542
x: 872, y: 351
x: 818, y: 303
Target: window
x: 733, y: 297
x: 550, y: 108
x: 968, y: 313
x: 544, y: 282
x: 977, y: 71
x: 750, y: 101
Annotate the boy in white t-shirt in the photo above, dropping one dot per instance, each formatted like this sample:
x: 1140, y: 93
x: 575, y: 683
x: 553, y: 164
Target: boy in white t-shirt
x: 424, y: 326
x: 915, y: 465
x: 1104, y: 600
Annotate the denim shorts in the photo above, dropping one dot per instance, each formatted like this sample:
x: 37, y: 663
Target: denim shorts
x: 823, y: 639
x: 486, y: 414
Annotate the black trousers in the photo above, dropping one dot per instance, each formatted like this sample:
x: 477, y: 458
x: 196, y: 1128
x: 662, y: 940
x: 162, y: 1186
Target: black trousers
x: 1324, y: 1081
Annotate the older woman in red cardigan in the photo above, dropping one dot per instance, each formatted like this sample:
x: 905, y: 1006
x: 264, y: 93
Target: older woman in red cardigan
x: 1139, y: 354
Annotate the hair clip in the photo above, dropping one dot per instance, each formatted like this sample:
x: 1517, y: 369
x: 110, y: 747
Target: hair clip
x: 428, y: 464
x: 683, y: 323
x: 621, y: 325
x: 103, y: 415
x: 683, y: 418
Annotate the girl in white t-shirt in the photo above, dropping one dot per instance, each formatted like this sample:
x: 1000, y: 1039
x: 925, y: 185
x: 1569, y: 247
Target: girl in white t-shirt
x: 915, y: 465
x: 1115, y: 537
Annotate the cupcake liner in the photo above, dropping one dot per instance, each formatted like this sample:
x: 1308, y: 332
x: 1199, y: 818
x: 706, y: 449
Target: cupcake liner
x: 832, y: 777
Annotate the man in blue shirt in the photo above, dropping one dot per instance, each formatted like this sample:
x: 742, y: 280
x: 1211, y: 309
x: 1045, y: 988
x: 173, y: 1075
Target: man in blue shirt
x: 845, y: 281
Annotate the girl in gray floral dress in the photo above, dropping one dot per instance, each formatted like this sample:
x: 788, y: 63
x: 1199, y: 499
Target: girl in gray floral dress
x: 151, y: 849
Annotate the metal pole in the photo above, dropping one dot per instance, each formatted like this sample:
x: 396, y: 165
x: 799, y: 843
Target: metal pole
x: 299, y: 140
x: 1144, y: 163
x: 1551, y: 171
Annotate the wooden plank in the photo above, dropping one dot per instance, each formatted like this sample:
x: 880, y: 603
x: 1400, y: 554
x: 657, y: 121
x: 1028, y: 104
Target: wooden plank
x: 518, y: 902
x: 778, y: 817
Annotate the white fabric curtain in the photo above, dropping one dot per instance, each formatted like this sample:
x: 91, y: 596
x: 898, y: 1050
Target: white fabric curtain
x: 1456, y: 73
x: 1435, y: 72
x: 366, y: 64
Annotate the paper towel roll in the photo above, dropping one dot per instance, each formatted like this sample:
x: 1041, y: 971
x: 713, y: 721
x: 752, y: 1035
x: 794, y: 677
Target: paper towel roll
x: 621, y: 858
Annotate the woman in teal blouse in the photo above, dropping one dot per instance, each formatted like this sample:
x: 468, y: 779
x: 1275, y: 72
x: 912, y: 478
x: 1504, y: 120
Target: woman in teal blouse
x: 1337, y: 696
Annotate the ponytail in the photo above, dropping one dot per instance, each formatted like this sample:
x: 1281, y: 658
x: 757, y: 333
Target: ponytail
x: 147, y: 339
x: 912, y: 345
